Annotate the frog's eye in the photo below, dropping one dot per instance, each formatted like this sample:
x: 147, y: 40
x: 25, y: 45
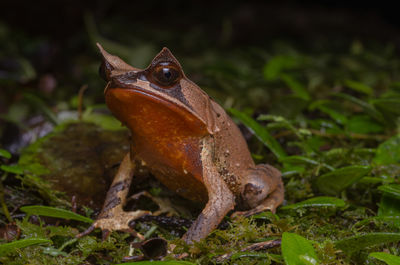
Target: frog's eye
x: 166, y: 75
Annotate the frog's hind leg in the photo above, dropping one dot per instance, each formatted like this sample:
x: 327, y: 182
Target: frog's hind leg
x: 220, y: 202
x: 274, y: 191
x: 112, y: 216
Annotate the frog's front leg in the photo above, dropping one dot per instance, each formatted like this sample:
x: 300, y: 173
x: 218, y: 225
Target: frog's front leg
x: 112, y: 216
x: 262, y: 191
x: 220, y: 199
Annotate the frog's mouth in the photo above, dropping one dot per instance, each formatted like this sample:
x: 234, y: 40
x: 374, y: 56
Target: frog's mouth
x: 135, y: 100
x: 144, y: 89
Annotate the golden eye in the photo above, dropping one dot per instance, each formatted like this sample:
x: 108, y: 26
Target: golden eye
x: 166, y: 75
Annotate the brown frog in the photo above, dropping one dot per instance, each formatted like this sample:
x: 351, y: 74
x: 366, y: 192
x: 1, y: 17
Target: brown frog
x: 187, y: 141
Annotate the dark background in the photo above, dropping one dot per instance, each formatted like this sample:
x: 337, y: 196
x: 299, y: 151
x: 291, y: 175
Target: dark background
x: 61, y: 23
x: 310, y: 24
x: 252, y: 21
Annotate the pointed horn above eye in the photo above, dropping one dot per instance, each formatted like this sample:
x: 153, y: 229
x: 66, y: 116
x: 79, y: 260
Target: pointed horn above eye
x: 165, y: 55
x: 166, y: 50
x: 116, y: 63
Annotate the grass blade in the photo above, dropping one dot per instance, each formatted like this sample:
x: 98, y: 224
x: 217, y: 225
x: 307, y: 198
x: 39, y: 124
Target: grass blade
x: 260, y: 132
x: 359, y: 242
x: 316, y: 202
x: 4, y: 153
x: 55, y: 212
x: 386, y: 257
x: 12, y: 246
x: 339, y: 179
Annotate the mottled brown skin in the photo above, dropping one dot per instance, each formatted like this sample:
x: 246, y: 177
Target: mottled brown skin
x: 187, y: 141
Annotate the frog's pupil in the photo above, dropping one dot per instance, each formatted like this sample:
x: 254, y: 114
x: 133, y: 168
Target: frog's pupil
x: 167, y: 73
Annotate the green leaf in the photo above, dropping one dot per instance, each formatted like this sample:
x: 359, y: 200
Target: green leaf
x: 260, y: 132
x: 371, y: 180
x: 386, y: 257
x: 359, y: 87
x: 55, y: 212
x: 322, y: 201
x: 297, y: 250
x: 339, y: 179
x: 363, y: 124
x: 387, y: 220
x: 14, y: 169
x: 359, y: 242
x: 297, y: 88
x: 324, y: 106
x: 4, y: 153
x: 106, y: 122
x: 391, y: 189
x: 289, y: 169
x: 170, y: 262
x: 388, y: 104
x: 369, y: 109
x: 388, y: 152
x: 300, y: 160
x: 304, y: 160
x: 389, y: 206
x: 12, y: 246
x: 276, y: 65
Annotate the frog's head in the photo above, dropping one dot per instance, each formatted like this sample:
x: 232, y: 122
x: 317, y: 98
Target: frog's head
x: 164, y: 72
x: 161, y: 92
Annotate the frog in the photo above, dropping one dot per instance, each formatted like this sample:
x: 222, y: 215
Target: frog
x: 187, y: 141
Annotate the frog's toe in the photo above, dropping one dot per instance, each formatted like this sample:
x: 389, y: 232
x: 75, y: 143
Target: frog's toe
x: 118, y: 221
x: 86, y: 232
x: 273, y: 200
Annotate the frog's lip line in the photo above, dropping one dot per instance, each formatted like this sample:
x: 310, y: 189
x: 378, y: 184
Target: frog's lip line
x: 136, y: 89
x: 159, y: 97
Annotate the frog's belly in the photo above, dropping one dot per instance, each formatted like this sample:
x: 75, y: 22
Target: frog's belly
x: 176, y: 163
x: 187, y: 185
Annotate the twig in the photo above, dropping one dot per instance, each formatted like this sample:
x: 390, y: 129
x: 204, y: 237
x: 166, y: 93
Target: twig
x: 3, y: 203
x: 80, y: 100
x: 253, y: 247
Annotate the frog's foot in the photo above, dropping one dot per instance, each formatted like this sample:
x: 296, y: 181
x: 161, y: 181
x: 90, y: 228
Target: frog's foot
x: 269, y: 204
x: 112, y: 216
x: 115, y: 220
x: 272, y: 181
